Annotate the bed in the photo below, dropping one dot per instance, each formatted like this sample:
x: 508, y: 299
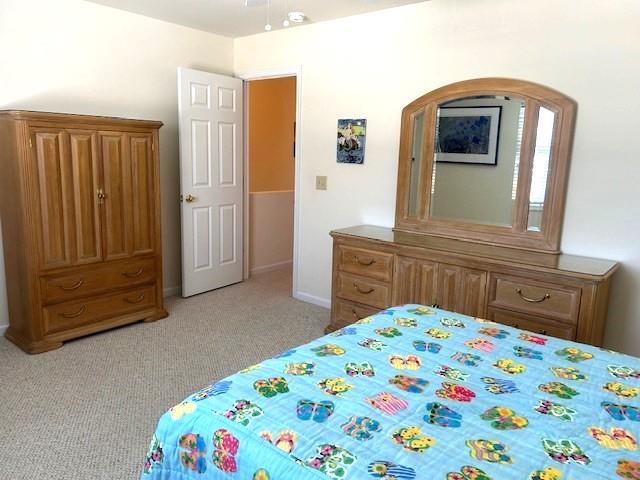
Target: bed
x: 412, y: 392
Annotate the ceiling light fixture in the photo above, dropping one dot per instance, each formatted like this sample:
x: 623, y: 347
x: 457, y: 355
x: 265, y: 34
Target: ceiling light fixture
x: 296, y: 17
x: 290, y: 17
x: 285, y: 22
x: 267, y: 26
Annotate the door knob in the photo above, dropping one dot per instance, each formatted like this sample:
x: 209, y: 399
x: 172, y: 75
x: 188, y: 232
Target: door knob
x: 190, y: 198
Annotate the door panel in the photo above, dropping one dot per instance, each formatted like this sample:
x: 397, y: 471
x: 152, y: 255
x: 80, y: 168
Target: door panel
x: 462, y: 290
x: 474, y: 287
x: 86, y: 181
x: 117, y: 188
x: 54, y: 188
x: 142, y: 201
x: 415, y: 281
x: 449, y: 286
x: 211, y: 173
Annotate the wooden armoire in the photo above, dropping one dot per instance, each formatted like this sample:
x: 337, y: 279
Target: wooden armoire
x: 80, y: 206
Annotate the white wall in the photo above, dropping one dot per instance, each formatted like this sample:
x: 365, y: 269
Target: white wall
x: 79, y: 57
x: 270, y: 230
x: 372, y: 65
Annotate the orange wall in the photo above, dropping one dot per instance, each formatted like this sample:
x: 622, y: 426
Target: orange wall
x: 272, y: 113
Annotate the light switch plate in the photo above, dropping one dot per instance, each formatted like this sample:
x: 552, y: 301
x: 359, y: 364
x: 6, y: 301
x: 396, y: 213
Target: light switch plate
x: 321, y: 182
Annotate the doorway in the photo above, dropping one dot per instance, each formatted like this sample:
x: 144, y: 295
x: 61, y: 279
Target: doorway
x: 271, y: 113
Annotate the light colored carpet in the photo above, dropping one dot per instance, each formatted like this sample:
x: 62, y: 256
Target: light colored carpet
x: 88, y: 410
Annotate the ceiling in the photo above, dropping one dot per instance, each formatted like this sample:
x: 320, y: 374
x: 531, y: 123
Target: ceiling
x: 233, y: 19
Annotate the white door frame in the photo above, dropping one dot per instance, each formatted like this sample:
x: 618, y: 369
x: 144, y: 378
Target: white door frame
x: 264, y: 75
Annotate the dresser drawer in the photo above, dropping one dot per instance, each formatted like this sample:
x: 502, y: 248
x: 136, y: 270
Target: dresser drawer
x: 368, y: 263
x: 68, y: 286
x: 346, y: 313
x: 363, y: 290
x: 68, y: 315
x: 524, y: 295
x: 532, y: 324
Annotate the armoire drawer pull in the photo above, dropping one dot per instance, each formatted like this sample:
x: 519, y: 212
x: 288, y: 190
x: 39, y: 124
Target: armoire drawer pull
x: 83, y: 308
x: 138, y: 299
x: 365, y: 263
x: 532, y: 300
x: 75, y: 286
x: 135, y: 274
x: 364, y: 292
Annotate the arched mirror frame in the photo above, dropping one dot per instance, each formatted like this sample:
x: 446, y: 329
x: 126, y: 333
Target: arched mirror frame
x: 547, y: 239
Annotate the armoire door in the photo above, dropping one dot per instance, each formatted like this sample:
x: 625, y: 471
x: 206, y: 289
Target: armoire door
x: 461, y: 289
x: 142, y: 193
x: 116, y: 195
x: 85, y: 175
x: 55, y: 196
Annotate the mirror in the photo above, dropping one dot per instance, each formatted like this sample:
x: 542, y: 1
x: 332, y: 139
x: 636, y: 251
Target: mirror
x: 475, y: 164
x: 485, y: 160
x: 540, y: 169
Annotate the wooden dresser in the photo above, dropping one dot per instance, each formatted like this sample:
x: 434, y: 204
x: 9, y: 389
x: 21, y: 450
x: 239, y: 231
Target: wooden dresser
x: 80, y: 205
x: 563, y: 296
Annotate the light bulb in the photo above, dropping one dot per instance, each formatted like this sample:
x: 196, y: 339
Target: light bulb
x: 267, y: 27
x: 285, y: 23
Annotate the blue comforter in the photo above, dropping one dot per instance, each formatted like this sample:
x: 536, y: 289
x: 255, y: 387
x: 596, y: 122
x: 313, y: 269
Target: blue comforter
x: 412, y: 392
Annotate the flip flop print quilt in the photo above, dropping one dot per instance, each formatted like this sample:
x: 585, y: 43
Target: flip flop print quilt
x: 412, y: 392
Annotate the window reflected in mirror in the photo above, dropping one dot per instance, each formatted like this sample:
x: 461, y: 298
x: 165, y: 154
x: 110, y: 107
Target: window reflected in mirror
x: 476, y: 157
x: 416, y: 164
x: 540, y: 168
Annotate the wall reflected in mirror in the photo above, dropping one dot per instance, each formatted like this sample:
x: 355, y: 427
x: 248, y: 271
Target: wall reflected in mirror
x: 476, y: 160
x: 540, y: 169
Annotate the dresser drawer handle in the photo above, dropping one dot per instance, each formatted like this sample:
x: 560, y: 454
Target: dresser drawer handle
x: 138, y: 299
x: 542, y: 332
x: 365, y: 263
x: 135, y: 274
x: 532, y: 300
x: 364, y: 292
x: 355, y: 314
x: 75, y: 286
x: 75, y: 314
x: 514, y: 325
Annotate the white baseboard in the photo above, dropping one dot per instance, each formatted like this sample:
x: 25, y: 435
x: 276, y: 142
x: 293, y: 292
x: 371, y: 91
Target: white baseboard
x: 172, y: 291
x: 270, y: 268
x: 3, y: 328
x: 305, y: 297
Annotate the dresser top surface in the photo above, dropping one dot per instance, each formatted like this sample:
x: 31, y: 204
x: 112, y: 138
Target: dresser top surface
x: 595, y: 267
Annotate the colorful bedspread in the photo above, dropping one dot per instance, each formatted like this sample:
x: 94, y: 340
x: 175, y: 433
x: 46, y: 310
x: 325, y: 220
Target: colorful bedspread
x: 412, y: 392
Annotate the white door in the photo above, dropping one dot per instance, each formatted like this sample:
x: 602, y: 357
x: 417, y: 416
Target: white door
x: 211, y: 179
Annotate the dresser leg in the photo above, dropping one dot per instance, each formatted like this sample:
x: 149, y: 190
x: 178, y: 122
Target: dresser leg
x: 157, y: 316
x: 32, y: 347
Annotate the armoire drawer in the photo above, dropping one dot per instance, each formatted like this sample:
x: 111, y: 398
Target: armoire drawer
x: 346, y: 313
x: 68, y: 286
x: 368, y: 263
x: 363, y: 290
x: 532, y: 324
x: 68, y: 315
x: 530, y: 296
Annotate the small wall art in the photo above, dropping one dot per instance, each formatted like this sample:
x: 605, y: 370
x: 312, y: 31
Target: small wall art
x: 352, y: 135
